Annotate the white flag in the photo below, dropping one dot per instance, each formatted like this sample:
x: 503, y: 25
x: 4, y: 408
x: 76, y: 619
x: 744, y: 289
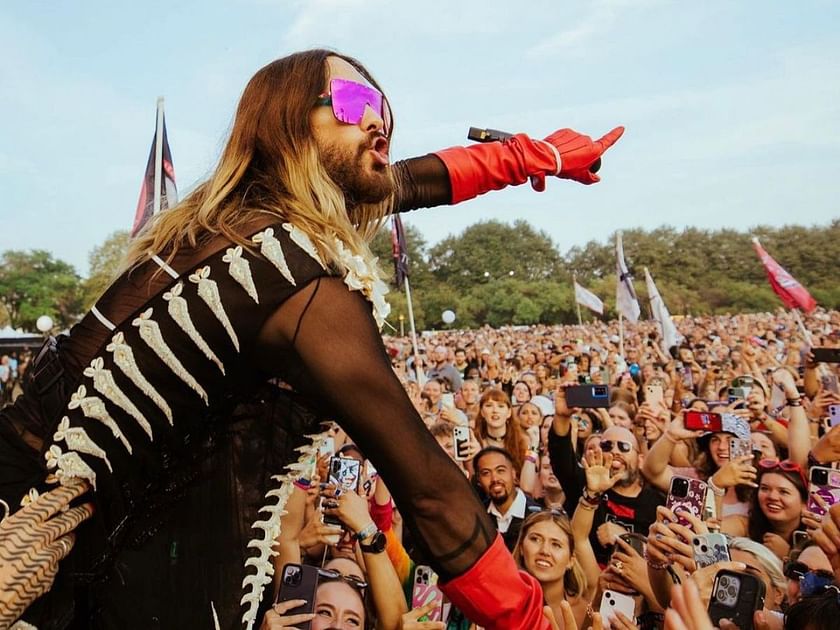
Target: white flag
x: 670, y: 336
x: 588, y: 299
x: 625, y: 295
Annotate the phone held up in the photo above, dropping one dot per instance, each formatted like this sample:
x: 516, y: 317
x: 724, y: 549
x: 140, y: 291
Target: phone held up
x: 345, y: 474
x: 686, y: 494
x: 736, y: 596
x: 461, y: 442
x: 613, y: 602
x: 709, y: 549
x: 426, y: 591
x: 299, y: 581
x: 703, y: 421
x: 588, y: 396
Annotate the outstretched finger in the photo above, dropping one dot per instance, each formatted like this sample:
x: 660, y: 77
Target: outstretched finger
x: 568, y: 615
x: 609, y: 139
x: 552, y: 620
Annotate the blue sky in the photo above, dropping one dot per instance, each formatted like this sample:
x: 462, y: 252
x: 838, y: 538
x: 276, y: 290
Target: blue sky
x: 732, y: 109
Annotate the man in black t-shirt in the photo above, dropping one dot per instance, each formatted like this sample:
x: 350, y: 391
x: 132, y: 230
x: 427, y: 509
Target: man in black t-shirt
x: 629, y: 506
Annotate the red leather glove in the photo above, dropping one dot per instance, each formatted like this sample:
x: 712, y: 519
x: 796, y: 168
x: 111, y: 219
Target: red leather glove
x: 480, y: 168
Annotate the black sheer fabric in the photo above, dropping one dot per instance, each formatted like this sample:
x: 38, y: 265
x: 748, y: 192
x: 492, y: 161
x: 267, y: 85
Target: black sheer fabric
x: 341, y: 355
x: 422, y: 183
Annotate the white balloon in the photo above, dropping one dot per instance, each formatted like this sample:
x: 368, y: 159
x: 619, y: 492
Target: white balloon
x: 44, y: 323
x: 447, y: 316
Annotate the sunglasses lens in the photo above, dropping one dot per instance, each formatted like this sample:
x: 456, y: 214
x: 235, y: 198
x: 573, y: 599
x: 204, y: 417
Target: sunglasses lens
x: 606, y: 446
x: 624, y: 447
x: 349, y: 100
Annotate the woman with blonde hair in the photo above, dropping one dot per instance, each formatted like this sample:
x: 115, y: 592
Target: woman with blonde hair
x: 546, y: 549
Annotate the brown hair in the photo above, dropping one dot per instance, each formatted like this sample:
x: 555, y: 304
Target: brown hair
x: 515, y: 442
x: 270, y: 164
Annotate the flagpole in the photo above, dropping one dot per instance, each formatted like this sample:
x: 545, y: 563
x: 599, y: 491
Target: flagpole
x: 158, y: 154
x: 805, y: 333
x: 413, y: 332
x: 577, y: 304
x: 621, y: 333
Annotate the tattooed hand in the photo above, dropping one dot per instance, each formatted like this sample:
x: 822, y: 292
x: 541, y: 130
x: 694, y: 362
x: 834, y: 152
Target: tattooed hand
x: 32, y: 542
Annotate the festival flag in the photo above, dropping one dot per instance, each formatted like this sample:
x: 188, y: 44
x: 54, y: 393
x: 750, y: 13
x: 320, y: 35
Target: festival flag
x: 168, y: 191
x: 588, y: 299
x: 670, y: 337
x: 399, y: 249
x: 793, y: 294
x: 625, y: 294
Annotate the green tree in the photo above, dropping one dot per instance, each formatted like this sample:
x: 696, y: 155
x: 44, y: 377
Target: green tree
x: 33, y: 283
x: 492, y: 250
x: 104, y: 263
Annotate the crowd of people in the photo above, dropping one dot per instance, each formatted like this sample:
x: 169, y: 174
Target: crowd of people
x: 679, y: 479
x: 581, y: 495
x: 12, y: 369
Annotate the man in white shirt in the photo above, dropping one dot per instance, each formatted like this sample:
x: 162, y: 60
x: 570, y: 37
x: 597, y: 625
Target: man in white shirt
x: 497, y: 477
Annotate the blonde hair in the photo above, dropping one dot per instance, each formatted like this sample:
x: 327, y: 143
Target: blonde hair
x: 270, y: 164
x: 574, y: 579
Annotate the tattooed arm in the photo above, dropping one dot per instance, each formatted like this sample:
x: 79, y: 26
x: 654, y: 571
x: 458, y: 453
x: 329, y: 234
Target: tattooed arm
x: 32, y: 542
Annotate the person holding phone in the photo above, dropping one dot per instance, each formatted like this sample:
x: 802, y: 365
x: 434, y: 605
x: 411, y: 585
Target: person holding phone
x: 495, y: 426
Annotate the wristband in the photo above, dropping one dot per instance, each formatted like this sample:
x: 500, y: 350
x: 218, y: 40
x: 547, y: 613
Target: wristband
x: 656, y: 566
x: 366, y: 532
x: 586, y: 505
x: 794, y: 402
x: 531, y: 458
x: 591, y: 498
x: 718, y: 492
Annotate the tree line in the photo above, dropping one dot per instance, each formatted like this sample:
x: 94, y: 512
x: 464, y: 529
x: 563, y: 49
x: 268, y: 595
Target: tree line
x: 497, y: 273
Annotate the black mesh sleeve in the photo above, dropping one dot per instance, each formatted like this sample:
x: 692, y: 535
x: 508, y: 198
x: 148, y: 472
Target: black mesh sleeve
x: 333, y: 335
x: 422, y: 183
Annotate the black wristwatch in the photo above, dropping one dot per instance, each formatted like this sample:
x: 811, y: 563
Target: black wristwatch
x: 377, y: 543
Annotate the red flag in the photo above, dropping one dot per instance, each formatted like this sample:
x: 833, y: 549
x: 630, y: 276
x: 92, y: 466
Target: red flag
x: 793, y: 294
x: 168, y: 191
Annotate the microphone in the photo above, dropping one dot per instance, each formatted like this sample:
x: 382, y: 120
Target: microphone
x: 494, y: 135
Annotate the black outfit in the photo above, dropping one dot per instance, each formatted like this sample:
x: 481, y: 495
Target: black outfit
x: 206, y: 429
x: 512, y: 534
x: 635, y: 514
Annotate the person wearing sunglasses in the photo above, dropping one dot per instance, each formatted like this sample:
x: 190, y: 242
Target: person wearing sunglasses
x: 806, y: 559
x: 264, y: 271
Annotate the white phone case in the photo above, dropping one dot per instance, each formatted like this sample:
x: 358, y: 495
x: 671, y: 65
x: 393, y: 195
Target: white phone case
x: 613, y: 602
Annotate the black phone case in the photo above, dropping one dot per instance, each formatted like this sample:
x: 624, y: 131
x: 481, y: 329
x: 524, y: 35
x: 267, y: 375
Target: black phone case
x: 750, y: 598
x: 588, y: 396
x: 826, y: 355
x: 299, y: 581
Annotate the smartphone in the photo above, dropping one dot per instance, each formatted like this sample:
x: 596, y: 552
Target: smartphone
x: 447, y: 400
x: 739, y: 447
x: 825, y: 482
x: 736, y: 596
x: 345, y: 473
x: 833, y: 415
x: 460, y: 442
x: 738, y: 393
x: 703, y: 421
x: 710, y: 549
x: 799, y: 536
x: 613, y: 602
x: 636, y: 541
x: 688, y: 494
x: 778, y: 401
x: 425, y: 591
x: 299, y: 581
x: 826, y: 355
x: 653, y: 395
x: 588, y: 396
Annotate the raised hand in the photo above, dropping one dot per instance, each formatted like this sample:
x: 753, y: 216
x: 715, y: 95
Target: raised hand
x: 32, y: 543
x: 599, y: 476
x: 579, y: 152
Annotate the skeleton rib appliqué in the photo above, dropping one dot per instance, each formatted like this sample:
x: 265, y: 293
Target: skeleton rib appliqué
x: 103, y: 382
x: 124, y: 359
x: 240, y: 270
x: 180, y: 313
x: 150, y: 333
x: 95, y: 409
x: 271, y: 249
x: 208, y: 291
x: 78, y: 440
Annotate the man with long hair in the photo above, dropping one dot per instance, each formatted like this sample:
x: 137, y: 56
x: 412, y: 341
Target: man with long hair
x: 263, y: 273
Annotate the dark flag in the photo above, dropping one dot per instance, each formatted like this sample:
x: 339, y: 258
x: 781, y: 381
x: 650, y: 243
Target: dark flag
x: 168, y: 191
x: 400, y: 252
x: 793, y: 294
